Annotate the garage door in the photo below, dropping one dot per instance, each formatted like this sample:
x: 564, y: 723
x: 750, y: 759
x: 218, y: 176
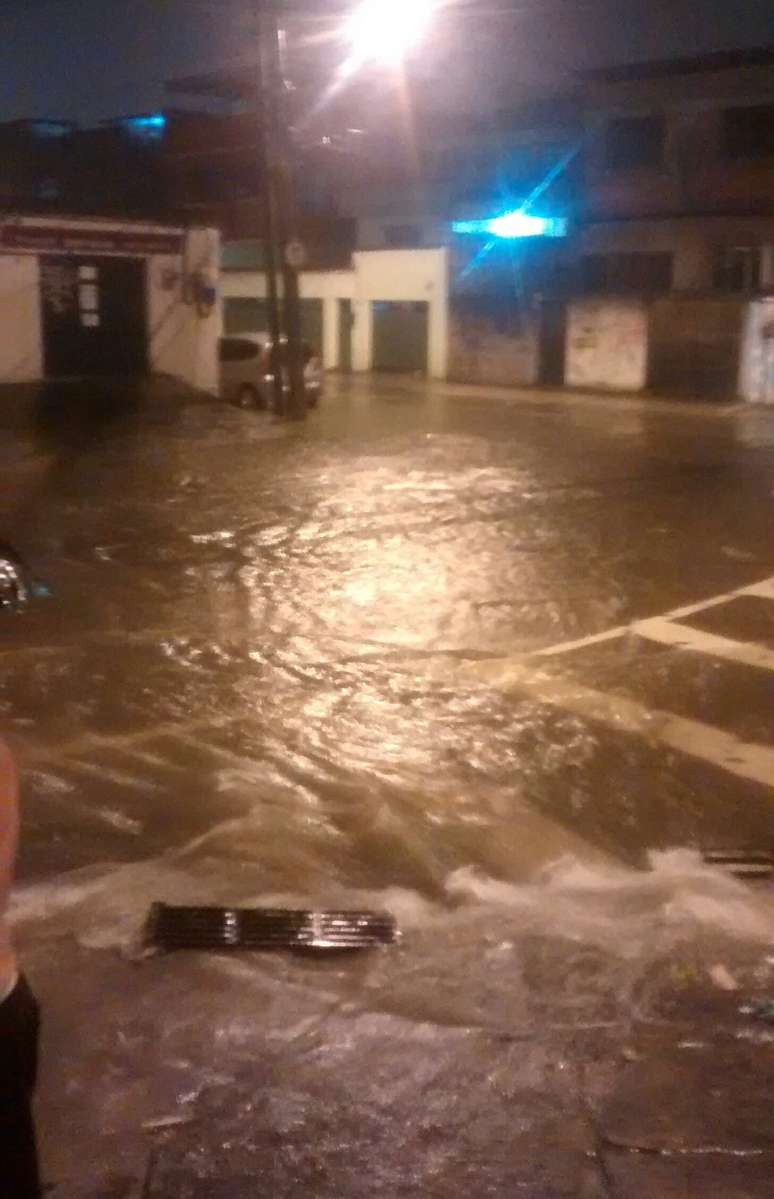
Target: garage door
x: 694, y: 347
x: 312, y: 322
x: 400, y: 337
x: 345, y: 335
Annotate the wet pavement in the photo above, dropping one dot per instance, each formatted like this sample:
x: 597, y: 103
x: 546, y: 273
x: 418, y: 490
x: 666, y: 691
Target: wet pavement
x: 501, y: 663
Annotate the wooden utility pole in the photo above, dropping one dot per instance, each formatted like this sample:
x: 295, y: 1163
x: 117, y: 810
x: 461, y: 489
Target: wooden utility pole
x: 282, y: 223
x: 270, y: 231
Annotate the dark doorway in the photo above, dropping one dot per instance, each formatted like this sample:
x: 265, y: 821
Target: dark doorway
x: 694, y: 347
x: 312, y: 323
x: 94, y: 316
x: 400, y: 337
x: 553, y: 331
x: 345, y: 335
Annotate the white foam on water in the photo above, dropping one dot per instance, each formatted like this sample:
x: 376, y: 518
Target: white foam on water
x: 613, y: 908
x: 241, y: 1039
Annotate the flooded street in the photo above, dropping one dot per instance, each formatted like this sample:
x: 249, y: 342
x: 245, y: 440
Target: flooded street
x: 502, y: 666
x: 306, y: 627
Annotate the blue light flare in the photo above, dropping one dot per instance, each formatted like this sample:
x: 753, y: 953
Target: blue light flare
x: 155, y: 120
x: 512, y: 225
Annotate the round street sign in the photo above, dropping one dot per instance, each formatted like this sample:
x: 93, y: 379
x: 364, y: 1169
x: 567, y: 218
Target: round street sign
x: 295, y: 254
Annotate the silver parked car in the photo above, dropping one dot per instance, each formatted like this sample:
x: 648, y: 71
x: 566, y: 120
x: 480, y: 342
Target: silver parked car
x: 247, y: 365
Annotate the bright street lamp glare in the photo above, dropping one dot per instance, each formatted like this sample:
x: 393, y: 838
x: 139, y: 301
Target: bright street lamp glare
x: 385, y: 30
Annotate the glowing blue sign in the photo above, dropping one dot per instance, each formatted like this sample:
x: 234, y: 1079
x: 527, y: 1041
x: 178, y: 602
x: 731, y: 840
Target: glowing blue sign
x: 512, y: 225
x: 155, y: 120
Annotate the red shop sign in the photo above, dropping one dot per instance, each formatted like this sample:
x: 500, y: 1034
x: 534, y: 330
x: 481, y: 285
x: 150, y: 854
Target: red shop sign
x: 63, y: 239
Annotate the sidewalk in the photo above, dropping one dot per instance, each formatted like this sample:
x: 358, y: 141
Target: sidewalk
x: 544, y: 396
x: 533, y: 1066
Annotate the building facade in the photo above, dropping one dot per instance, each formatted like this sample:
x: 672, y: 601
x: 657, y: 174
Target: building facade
x: 213, y: 168
x: 389, y: 311
x: 675, y: 248
x: 679, y: 176
x: 114, y: 168
x: 661, y: 173
x: 86, y: 297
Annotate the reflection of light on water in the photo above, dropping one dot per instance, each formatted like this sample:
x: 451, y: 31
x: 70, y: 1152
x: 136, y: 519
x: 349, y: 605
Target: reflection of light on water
x: 395, y: 591
x: 419, y: 555
x: 360, y: 591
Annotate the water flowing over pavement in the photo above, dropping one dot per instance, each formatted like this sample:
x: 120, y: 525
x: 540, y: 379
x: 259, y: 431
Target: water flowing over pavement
x: 501, y: 666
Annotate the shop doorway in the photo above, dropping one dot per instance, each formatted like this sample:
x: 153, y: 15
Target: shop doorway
x: 93, y: 316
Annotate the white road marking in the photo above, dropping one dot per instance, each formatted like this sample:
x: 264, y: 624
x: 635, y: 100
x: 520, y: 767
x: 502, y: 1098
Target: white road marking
x: 522, y: 673
x: 89, y: 742
x: 566, y: 647
x: 764, y: 589
x: 681, y: 636
x: 754, y: 763
x: 108, y: 773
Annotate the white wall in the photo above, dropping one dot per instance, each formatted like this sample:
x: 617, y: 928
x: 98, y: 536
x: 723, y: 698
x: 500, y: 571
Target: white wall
x: 756, y: 373
x: 372, y: 231
x: 328, y: 286
x: 607, y: 344
x: 21, y: 341
x: 362, y: 335
x: 480, y: 352
x: 392, y: 275
x: 312, y: 285
x: 331, y: 322
x: 183, y: 342
x: 403, y: 275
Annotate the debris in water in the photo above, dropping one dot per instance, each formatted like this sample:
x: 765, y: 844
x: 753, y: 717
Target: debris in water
x: 723, y: 978
x: 162, y: 1122
x: 17, y: 584
x: 752, y: 864
x: 760, y: 1009
x: 171, y: 927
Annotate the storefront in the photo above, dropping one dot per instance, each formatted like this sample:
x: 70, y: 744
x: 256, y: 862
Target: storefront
x: 390, y: 311
x: 88, y: 297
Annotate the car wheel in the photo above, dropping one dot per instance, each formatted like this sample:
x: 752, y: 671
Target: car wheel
x: 248, y: 397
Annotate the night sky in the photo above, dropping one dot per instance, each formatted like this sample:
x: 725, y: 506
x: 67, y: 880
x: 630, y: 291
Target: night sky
x: 88, y: 59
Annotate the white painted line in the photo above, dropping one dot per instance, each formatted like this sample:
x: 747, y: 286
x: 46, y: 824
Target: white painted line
x: 566, y: 647
x: 691, y: 609
x: 763, y: 589
x: 754, y: 763
x: 86, y: 743
x: 108, y: 774
x: 696, y: 640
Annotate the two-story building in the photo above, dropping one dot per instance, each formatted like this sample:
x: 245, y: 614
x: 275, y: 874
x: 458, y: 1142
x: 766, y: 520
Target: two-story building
x: 676, y: 224
x: 679, y: 175
x: 663, y: 173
